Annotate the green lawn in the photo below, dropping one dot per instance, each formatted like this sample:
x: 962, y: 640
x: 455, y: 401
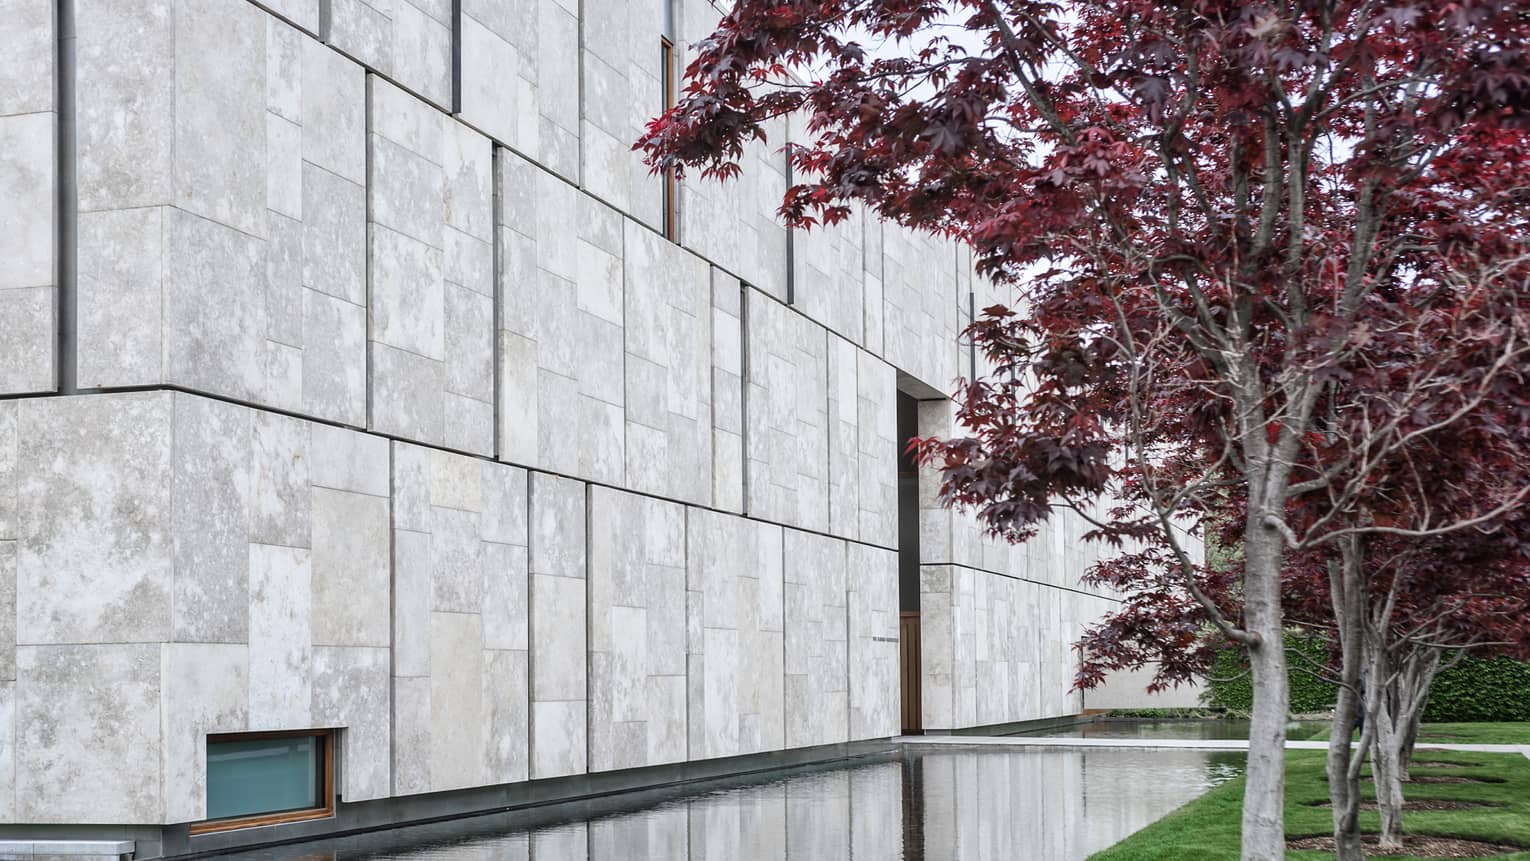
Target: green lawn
x: 1462, y: 733
x: 1207, y: 829
x: 1475, y: 733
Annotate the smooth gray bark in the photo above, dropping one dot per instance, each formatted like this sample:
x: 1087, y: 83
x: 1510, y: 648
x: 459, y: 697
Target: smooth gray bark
x: 1264, y: 836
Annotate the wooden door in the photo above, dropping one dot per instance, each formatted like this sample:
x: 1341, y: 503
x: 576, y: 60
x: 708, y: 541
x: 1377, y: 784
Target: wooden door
x: 910, y: 672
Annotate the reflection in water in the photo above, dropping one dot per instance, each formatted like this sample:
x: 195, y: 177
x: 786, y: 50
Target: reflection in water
x: 921, y: 805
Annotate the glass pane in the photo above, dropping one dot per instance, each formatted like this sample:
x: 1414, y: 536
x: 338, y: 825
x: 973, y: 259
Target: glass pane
x: 267, y: 775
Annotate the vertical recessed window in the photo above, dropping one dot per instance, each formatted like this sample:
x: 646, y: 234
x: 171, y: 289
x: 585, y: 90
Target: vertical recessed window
x: 268, y: 779
x: 671, y: 183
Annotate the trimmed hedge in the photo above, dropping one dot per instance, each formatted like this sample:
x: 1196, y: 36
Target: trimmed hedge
x: 1231, y: 687
x: 1476, y: 690
x: 1481, y: 690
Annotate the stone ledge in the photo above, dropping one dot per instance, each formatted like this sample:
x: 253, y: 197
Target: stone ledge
x: 33, y: 849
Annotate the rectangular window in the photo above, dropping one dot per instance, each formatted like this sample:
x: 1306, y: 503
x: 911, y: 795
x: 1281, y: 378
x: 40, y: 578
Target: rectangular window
x: 268, y: 778
x: 671, y: 183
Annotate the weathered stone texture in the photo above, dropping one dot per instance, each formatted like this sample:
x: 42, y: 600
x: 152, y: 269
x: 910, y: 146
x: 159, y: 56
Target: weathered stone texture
x: 787, y: 434
x: 637, y: 631
x: 559, y: 610
x: 432, y: 283
x: 520, y: 77
x: 817, y: 655
x: 735, y: 635
x: 561, y: 365
x: 727, y: 392
x: 668, y: 299
x: 460, y: 622
x: 222, y: 215
x: 28, y: 196
x: 871, y: 576
x: 622, y: 81
x: 920, y: 320
x: 410, y: 41
x: 863, y: 463
x: 244, y: 551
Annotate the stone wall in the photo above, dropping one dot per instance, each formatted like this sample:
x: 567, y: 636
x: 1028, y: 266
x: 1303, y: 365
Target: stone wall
x: 387, y: 408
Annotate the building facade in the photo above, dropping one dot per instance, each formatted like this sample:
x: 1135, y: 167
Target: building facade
x: 359, y: 378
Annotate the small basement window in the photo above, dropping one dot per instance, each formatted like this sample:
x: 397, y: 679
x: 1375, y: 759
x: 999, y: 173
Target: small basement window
x: 268, y: 778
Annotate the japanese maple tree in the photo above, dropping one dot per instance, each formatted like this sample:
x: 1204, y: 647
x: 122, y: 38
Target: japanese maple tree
x: 1208, y: 206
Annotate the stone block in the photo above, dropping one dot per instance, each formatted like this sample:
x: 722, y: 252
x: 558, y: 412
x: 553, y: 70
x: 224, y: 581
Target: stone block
x: 281, y: 637
x: 210, y: 521
x: 668, y: 344
x: 350, y: 691
x: 637, y: 631
x: 816, y: 662
x: 88, y: 735
x: 407, y: 42
x: 432, y: 328
x: 459, y: 621
x: 871, y: 575
x: 561, y: 271
x: 233, y: 183
x: 622, y: 80
x: 95, y: 555
x: 787, y: 427
x: 350, y: 569
x: 203, y: 689
x: 26, y: 74
x: 735, y: 644
x: 27, y: 253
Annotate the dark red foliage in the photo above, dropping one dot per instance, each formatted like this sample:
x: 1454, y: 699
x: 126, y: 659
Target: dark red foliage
x: 1273, y: 259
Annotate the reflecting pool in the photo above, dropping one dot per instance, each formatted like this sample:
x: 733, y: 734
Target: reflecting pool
x: 921, y: 804
x: 1220, y: 728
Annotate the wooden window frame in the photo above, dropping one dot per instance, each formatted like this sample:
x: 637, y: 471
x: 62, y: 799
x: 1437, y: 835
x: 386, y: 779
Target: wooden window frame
x: 326, y: 785
x: 671, y: 183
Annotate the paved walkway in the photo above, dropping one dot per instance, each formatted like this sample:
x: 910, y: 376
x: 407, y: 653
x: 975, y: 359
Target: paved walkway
x: 1163, y: 743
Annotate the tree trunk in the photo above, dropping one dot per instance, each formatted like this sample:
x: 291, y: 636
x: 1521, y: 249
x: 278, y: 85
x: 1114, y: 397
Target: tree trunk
x: 1344, y: 760
x: 1386, y: 768
x: 1264, y: 834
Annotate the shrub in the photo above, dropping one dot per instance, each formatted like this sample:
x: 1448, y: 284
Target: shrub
x: 1476, y: 690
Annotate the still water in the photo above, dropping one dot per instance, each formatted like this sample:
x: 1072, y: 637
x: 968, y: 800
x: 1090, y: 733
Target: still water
x: 1223, y: 728
x: 930, y: 804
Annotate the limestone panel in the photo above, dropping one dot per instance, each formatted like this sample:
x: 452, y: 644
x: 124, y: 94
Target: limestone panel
x: 637, y: 630
x: 727, y: 392
x: 827, y: 261
x: 520, y: 77
x: 622, y: 79
x: 460, y: 621
x: 876, y: 476
x: 844, y: 438
x: 410, y: 42
x: 88, y: 734
x: 7, y: 751
x: 222, y: 215
x: 559, y: 611
x: 28, y: 197
x: 871, y: 575
x: 561, y: 372
x: 94, y: 561
x: 350, y: 690
x: 431, y: 331
x: 817, y: 659
x: 735, y: 635
x: 919, y: 292
x: 667, y: 300
x: 734, y: 223
x: 873, y: 308
x: 203, y: 689
x: 787, y: 436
